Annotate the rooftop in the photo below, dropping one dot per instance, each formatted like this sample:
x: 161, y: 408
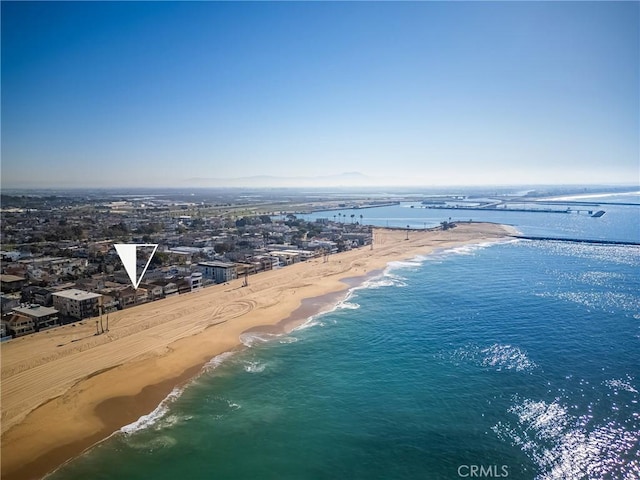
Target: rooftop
x: 11, y: 278
x: 216, y: 264
x: 36, y: 311
x: 76, y: 294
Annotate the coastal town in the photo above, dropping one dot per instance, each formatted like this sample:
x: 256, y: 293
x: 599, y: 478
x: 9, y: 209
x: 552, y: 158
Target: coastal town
x: 59, y: 265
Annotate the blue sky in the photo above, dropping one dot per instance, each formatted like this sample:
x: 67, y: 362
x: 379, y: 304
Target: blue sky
x: 431, y: 93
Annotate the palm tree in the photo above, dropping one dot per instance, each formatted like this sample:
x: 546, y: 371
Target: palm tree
x: 360, y: 219
x: 334, y: 219
x: 353, y: 215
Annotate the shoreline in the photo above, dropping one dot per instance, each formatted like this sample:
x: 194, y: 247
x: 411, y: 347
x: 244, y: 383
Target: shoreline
x: 97, y: 403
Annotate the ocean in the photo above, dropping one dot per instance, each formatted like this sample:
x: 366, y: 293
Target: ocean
x: 512, y: 360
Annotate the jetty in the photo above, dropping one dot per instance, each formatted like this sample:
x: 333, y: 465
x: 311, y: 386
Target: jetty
x: 575, y: 240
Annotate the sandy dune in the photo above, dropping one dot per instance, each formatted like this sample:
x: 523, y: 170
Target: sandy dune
x: 66, y: 388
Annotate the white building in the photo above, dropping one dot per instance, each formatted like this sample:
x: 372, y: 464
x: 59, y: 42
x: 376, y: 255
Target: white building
x: 195, y: 279
x: 77, y: 303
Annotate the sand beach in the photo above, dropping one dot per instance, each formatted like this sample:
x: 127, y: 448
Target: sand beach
x: 65, y: 389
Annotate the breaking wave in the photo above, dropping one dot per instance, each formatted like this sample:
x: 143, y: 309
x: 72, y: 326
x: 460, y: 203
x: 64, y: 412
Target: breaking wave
x: 153, y: 418
x: 146, y: 421
x: 249, y: 339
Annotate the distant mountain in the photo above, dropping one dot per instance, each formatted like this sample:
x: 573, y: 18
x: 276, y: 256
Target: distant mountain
x: 348, y: 179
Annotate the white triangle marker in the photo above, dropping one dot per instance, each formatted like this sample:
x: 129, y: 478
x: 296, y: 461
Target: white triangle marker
x: 128, y: 253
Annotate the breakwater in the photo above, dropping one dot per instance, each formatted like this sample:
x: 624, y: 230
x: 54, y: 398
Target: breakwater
x: 575, y: 240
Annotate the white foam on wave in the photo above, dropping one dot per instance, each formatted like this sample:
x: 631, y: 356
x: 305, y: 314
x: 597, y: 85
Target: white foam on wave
x: 249, y: 339
x: 348, y: 306
x: 217, y: 360
x: 155, y: 443
x: 254, y: 367
x: 288, y: 339
x: 310, y: 322
x: 386, y: 279
x: 403, y: 264
x: 146, y: 421
x: 568, y: 447
x: 469, y: 249
x: 151, y: 419
x: 343, y: 304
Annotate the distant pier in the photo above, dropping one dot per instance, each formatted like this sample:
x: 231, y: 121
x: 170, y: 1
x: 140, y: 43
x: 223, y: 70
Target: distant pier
x: 576, y: 240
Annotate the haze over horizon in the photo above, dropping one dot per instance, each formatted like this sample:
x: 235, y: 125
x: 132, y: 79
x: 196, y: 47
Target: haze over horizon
x: 158, y: 94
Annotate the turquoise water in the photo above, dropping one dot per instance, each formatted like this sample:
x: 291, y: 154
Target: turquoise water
x: 517, y: 360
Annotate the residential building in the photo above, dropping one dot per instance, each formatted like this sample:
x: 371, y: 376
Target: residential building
x: 131, y: 296
x: 8, y: 301
x: 39, y: 295
x: 169, y: 286
x: 77, y: 303
x: 42, y: 317
x: 126, y: 296
x: 154, y: 291
x: 220, y: 272
x: 286, y: 257
x: 109, y: 304
x: 196, y: 281
x: 19, y: 325
x: 4, y: 330
x: 11, y: 283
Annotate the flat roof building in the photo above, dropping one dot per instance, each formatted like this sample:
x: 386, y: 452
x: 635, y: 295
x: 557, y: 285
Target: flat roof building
x: 42, y: 317
x: 77, y: 303
x: 11, y: 283
x: 220, y: 272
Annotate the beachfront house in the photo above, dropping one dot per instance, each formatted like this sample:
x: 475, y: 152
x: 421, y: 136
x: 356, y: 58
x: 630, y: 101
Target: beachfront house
x: 190, y: 283
x: 33, y: 317
x: 130, y: 296
x: 76, y: 303
x: 154, y: 291
x: 220, y: 272
x: 169, y: 287
x: 19, y: 325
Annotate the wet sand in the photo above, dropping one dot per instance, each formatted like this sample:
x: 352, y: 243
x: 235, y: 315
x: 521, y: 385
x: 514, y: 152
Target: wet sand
x: 65, y: 389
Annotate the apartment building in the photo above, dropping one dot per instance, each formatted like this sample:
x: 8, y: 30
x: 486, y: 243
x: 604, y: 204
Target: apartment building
x: 76, y: 303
